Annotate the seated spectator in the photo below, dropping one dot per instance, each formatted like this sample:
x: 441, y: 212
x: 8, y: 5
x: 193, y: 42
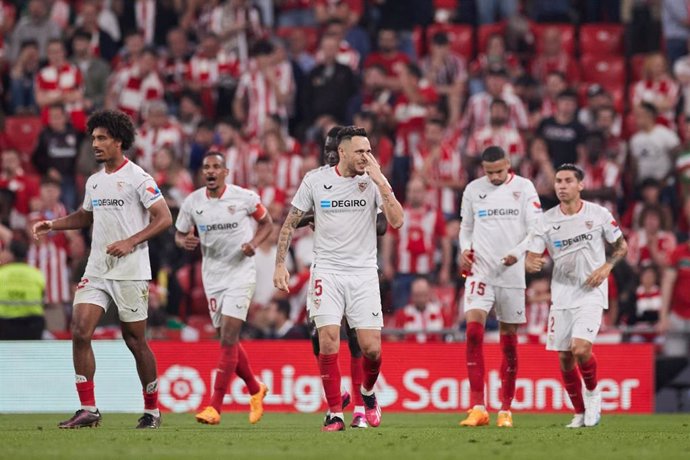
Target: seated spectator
x: 36, y: 25
x: 22, y: 77
x: 264, y: 185
x: 652, y: 148
x: 94, y: 70
x: 102, y: 43
x: 563, y: 134
x: 189, y: 116
x: 238, y: 154
x: 376, y: 97
x: 174, y: 66
x: 60, y: 82
x: 477, y: 113
x: 495, y: 56
x: 56, y: 154
x: 539, y: 169
x: 21, y: 186
x: 650, y: 196
x: 554, y: 84
x: 602, y: 180
x: 237, y: 24
x: 349, y: 13
x: 388, y: 56
x: 658, y: 88
x: 173, y: 179
x: 609, y: 123
x: 158, y: 130
x: 555, y: 59
x: 128, y: 55
x: 202, y: 141
x: 287, y: 165
x: 497, y: 132
x: 652, y: 243
x: 345, y: 55
x: 281, y: 326
x: 537, y: 308
x: 381, y: 145
x: 136, y: 85
x: 648, y: 297
x: 422, y: 316
x: 447, y: 72
x: 674, y: 316
x: 598, y: 98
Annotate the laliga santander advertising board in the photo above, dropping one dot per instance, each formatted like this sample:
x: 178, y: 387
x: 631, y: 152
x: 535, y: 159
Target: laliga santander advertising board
x: 414, y: 377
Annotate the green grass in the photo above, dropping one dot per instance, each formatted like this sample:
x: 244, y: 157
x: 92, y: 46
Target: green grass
x: 297, y: 436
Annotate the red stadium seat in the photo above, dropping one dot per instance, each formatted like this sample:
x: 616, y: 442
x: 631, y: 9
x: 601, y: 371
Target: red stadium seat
x: 445, y: 4
x: 567, y: 33
x: 487, y: 30
x: 461, y: 37
x: 607, y: 71
x: 637, y: 67
x: 22, y: 133
x: 310, y: 33
x: 601, y: 39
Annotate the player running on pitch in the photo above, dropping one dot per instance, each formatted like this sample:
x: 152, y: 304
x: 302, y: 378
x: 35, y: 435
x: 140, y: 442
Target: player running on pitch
x: 498, y: 212
x: 223, y: 214
x: 126, y: 209
x: 575, y: 233
x: 344, y: 279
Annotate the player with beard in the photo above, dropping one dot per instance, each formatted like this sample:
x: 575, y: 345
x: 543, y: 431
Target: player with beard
x: 344, y: 282
x: 223, y: 214
x: 126, y: 209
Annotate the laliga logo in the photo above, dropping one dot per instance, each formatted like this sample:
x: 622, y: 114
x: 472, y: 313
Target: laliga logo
x: 181, y: 388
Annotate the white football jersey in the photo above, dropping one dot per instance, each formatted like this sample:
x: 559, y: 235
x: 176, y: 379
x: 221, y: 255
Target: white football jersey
x: 119, y: 203
x: 576, y: 245
x: 224, y: 224
x: 345, y: 211
x: 495, y: 220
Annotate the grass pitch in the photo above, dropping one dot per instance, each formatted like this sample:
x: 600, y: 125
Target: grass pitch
x: 297, y: 436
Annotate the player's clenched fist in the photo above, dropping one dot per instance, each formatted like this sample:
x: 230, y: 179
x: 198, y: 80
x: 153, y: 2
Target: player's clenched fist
x: 120, y: 248
x: 281, y: 277
x: 248, y: 249
x: 534, y: 262
x: 598, y: 276
x: 41, y: 228
x: 190, y: 242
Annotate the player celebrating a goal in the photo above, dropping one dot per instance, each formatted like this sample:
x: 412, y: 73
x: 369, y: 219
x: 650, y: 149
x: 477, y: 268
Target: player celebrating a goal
x: 575, y: 233
x: 126, y: 209
x: 498, y: 212
x: 344, y: 280
x: 223, y: 215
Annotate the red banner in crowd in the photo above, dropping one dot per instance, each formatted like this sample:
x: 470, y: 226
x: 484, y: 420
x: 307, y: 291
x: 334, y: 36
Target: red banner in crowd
x: 414, y: 377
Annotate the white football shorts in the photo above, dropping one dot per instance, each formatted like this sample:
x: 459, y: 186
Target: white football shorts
x: 233, y: 302
x: 572, y: 323
x: 131, y: 297
x: 508, y: 302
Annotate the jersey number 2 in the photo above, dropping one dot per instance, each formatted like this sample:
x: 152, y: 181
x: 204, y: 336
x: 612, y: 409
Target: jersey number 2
x: 479, y: 287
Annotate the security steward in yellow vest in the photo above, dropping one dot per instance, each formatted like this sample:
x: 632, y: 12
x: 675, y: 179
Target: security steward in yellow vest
x: 21, y: 296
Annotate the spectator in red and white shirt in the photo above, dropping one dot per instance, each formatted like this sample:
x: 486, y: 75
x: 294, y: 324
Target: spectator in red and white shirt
x: 388, y: 56
x: 447, y: 71
x: 174, y: 65
x: 410, y: 251
x: 376, y: 97
x: 554, y: 85
x: 675, y: 310
x: 651, y: 244
x: 103, y: 44
x: 22, y: 186
x: 437, y: 161
x: 650, y: 196
x: 555, y: 59
x: 272, y: 197
x: 346, y: 55
x: 609, y: 123
x: 208, y: 69
x: 497, y: 132
x: 423, y: 315
x: 537, y: 308
x: 658, y: 88
x: 237, y: 23
x: 263, y: 90
x: 495, y: 56
x: 287, y: 166
x: 648, y: 297
x: 239, y: 155
x: 134, y: 44
x: 171, y: 176
x: 60, y: 82
x: 137, y: 85
x: 477, y: 113
x: 158, y: 130
x: 603, y: 176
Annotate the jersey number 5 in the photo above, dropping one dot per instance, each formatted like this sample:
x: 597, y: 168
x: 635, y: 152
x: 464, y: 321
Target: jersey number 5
x: 479, y: 288
x: 318, y: 288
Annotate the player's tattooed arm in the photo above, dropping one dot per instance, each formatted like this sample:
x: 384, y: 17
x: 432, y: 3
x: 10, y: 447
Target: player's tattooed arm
x: 281, y: 276
x: 306, y: 219
x: 620, y: 250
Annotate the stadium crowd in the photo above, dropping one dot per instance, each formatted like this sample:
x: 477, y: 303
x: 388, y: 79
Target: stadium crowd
x: 603, y: 84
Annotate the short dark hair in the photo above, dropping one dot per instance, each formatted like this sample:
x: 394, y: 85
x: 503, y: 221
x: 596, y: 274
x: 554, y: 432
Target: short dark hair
x: 47, y: 180
x: 28, y: 42
x: 81, y: 34
x: 650, y: 182
x: 493, y: 153
x: 440, y: 39
x: 349, y: 132
x: 436, y: 121
x: 118, y: 124
x: 579, y: 173
x: 331, y: 141
x: 262, y: 48
x: 414, y: 70
x: 236, y: 125
x: 263, y: 159
x: 567, y: 94
x: 19, y: 250
x: 498, y: 101
x: 649, y: 108
x: 214, y: 153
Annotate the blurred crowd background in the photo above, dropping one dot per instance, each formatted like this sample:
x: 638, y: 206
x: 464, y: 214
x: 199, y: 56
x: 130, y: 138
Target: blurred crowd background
x: 604, y: 84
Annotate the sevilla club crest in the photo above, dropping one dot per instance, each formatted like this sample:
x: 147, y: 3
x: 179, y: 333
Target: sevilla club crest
x: 516, y: 195
x: 362, y: 186
x: 589, y: 224
x: 231, y: 209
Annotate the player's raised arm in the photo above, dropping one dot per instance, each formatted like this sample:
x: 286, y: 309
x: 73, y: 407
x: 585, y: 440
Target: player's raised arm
x: 80, y: 218
x: 391, y: 207
x: 281, y: 276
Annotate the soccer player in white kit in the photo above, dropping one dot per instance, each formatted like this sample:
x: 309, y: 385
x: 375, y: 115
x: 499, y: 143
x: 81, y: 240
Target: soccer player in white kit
x: 498, y: 212
x: 223, y: 214
x: 575, y: 233
x: 126, y: 209
x: 344, y: 275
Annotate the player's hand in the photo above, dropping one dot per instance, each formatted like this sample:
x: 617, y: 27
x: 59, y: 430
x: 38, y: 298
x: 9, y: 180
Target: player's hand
x: 509, y: 260
x: 598, y: 276
x: 190, y: 241
x: 312, y: 225
x: 534, y: 263
x: 662, y: 325
x: 388, y: 272
x: 466, y: 260
x: 281, y: 277
x: 248, y: 249
x: 42, y: 227
x: 444, y: 276
x: 374, y: 170
x: 120, y: 248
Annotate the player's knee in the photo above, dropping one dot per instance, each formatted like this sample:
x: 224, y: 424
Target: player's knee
x: 229, y: 338
x: 581, y: 351
x: 475, y: 335
x: 371, y: 351
x: 80, y: 332
x: 135, y: 343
